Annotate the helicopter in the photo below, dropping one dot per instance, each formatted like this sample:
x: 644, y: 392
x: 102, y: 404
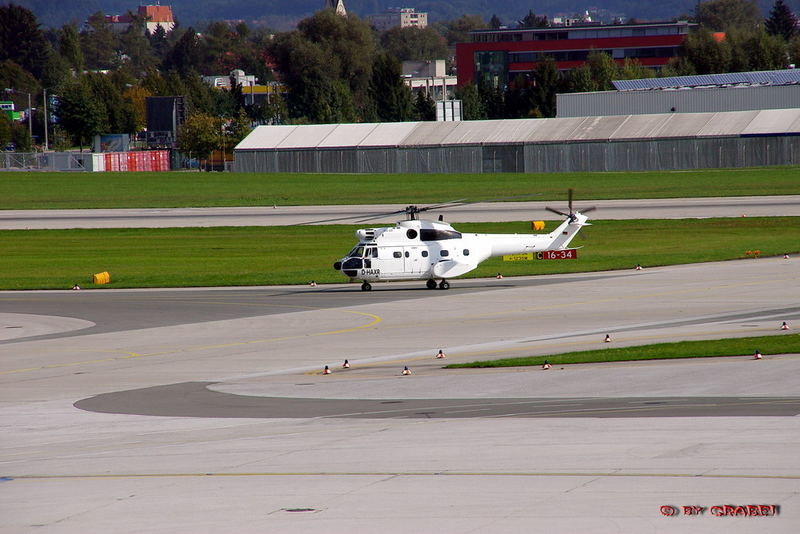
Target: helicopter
x: 418, y: 249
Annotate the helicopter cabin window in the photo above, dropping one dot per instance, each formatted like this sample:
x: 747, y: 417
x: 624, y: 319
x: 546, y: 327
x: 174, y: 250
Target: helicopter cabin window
x: 407, y: 254
x: 411, y: 234
x: 371, y: 252
x: 466, y: 252
x: 424, y: 253
x: 435, y: 234
x: 444, y: 253
x: 397, y: 254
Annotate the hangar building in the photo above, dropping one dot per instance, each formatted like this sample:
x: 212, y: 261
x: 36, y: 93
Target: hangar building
x: 607, y: 143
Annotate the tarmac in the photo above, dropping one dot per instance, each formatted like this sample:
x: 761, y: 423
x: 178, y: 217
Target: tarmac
x: 150, y: 411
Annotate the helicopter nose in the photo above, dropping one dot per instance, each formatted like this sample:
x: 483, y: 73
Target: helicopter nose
x: 337, y: 266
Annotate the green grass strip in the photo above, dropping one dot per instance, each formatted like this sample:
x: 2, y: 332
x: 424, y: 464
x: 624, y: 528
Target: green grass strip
x: 780, y: 343
x: 62, y: 190
x: 240, y: 256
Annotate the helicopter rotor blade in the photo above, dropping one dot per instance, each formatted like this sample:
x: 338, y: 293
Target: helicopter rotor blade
x: 548, y: 208
x: 570, y: 192
x: 587, y: 210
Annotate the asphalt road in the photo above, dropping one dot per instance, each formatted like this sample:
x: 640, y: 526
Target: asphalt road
x: 786, y: 205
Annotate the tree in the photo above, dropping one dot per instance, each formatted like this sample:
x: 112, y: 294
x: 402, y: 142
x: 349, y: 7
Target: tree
x: 414, y: 44
x: 457, y: 31
x: 603, y: 70
x: 705, y: 52
x: 472, y: 107
x: 21, y: 39
x: 547, y: 85
x: 324, y: 49
x: 186, y: 55
x: 722, y: 15
x: 391, y: 97
x: 532, y: 20
x: 5, y: 130
x: 424, y: 107
x: 200, y: 135
x: 755, y: 50
x: 134, y: 47
x: 781, y: 21
x: 495, y: 23
x: 491, y: 98
x: 79, y: 112
x: 99, y: 43
x: 794, y: 50
x: 69, y: 46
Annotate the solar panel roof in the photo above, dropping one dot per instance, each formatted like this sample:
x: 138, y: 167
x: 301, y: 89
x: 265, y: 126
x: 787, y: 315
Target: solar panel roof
x: 767, y: 77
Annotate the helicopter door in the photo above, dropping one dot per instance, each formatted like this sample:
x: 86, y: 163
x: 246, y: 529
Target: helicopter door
x: 392, y: 260
x: 413, y: 259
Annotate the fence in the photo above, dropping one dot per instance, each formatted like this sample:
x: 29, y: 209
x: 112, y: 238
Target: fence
x: 146, y: 160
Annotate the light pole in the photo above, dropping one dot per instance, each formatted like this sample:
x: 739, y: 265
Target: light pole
x: 30, y: 110
x: 46, y: 120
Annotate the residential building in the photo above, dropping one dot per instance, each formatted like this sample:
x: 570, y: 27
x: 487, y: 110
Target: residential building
x: 399, y: 17
x: 499, y: 55
x: 431, y: 77
x: 155, y: 16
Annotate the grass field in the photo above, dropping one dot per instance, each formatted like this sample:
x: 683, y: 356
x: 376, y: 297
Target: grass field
x: 61, y: 190
x: 780, y: 343
x: 191, y: 257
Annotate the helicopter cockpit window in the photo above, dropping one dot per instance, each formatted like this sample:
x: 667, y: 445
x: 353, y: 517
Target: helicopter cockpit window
x: 356, y: 252
x: 434, y: 234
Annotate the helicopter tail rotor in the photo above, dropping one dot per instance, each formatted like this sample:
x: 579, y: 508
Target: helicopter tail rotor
x: 571, y: 213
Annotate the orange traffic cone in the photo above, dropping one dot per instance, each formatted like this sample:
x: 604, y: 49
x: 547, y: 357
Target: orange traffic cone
x: 546, y: 365
x: 757, y: 355
x: 346, y: 365
x: 326, y: 371
x: 784, y: 326
x: 608, y: 338
x: 440, y: 355
x: 406, y: 371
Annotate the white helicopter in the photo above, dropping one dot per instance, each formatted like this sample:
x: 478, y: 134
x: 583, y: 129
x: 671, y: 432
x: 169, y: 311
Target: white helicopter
x: 417, y: 249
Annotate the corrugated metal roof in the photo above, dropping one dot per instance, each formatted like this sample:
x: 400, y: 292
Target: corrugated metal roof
x: 388, y: 134
x: 666, y: 125
x: 265, y: 137
x: 345, y: 135
x: 429, y: 133
x: 772, y: 120
x: 728, y: 122
x: 310, y: 135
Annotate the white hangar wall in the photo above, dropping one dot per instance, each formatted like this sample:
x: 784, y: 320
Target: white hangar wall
x: 607, y: 143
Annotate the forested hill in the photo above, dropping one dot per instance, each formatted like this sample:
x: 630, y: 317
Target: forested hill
x: 282, y: 14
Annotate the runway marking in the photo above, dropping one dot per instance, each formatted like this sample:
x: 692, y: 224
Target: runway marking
x: 131, y: 355
x: 443, y: 473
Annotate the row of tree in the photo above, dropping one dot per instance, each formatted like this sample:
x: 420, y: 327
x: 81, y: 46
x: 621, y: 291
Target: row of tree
x: 336, y: 69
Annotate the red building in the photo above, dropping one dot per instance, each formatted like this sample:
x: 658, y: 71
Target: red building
x: 498, y: 55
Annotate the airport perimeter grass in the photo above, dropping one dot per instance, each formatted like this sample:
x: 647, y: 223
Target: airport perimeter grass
x: 779, y: 343
x: 238, y: 256
x: 63, y: 190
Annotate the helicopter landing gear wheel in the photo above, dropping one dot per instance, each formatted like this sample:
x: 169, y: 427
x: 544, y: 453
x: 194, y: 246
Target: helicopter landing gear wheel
x: 444, y: 284
x: 431, y: 284
x: 366, y: 286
